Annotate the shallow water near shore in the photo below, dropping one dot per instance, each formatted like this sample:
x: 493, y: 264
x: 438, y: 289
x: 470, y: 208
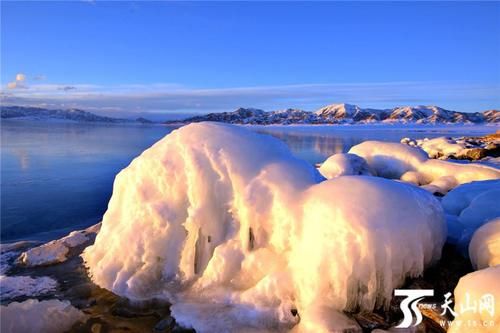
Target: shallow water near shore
x: 58, y: 177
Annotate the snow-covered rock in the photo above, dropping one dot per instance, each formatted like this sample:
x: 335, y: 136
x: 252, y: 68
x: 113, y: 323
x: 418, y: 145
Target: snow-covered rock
x: 14, y: 286
x: 484, y: 248
x: 441, y: 147
x: 220, y: 215
x: 344, y: 165
x: 411, y: 164
x: 469, y: 206
x: 58, y: 250
x: 32, y: 316
x: 389, y: 159
x: 462, y: 148
x: 477, y: 302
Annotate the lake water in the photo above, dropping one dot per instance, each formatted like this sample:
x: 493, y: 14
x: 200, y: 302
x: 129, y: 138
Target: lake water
x: 57, y: 177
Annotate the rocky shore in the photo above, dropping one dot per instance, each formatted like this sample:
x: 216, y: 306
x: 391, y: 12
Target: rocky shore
x: 106, y: 312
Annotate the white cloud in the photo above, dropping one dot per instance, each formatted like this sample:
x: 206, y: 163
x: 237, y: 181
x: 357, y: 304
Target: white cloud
x: 20, y: 77
x: 18, y: 82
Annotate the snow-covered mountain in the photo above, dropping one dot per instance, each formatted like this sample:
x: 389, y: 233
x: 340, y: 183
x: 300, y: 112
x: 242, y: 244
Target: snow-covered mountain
x: 34, y: 113
x: 348, y: 113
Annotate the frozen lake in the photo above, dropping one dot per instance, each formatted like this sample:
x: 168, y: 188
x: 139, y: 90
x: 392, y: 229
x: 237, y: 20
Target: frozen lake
x: 57, y: 177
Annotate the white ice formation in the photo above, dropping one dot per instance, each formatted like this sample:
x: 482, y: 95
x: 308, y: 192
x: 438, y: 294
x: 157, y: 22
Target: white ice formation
x: 477, y: 302
x: 468, y: 207
x: 411, y: 164
x: 216, y: 214
x: 32, y: 316
x: 484, y: 248
x: 58, y: 250
x: 15, y: 286
x: 344, y: 165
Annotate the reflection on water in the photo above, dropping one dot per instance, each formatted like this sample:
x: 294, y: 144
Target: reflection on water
x: 58, y: 176
x: 316, y: 143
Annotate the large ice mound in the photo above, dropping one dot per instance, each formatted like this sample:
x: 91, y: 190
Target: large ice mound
x: 221, y: 215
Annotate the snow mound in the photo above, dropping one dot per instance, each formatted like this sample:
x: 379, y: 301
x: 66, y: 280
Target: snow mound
x: 216, y: 214
x: 484, y: 248
x: 447, y: 175
x: 32, y: 316
x: 481, y: 290
x: 15, y: 286
x: 411, y: 164
x: 469, y: 206
x: 56, y: 251
x: 389, y: 159
x: 442, y: 147
x: 344, y: 165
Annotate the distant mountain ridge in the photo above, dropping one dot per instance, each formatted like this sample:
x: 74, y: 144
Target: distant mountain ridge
x: 330, y: 114
x: 35, y: 113
x: 350, y: 114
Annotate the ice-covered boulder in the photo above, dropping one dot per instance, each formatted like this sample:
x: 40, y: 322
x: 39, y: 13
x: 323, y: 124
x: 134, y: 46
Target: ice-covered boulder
x: 389, y: 159
x: 460, y: 198
x: 218, y: 217
x: 32, y: 316
x: 484, y: 248
x: 469, y: 206
x: 339, y: 259
x: 447, y: 175
x: 411, y: 164
x: 344, y: 165
x: 442, y: 147
x: 477, y: 300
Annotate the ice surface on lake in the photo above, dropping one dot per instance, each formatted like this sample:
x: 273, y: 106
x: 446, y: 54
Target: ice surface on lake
x: 216, y: 214
x: 32, y: 316
x: 484, y: 248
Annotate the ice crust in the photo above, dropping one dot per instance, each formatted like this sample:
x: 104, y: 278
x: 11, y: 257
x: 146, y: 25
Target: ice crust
x: 216, y: 214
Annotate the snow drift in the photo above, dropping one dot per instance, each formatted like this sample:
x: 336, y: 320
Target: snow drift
x: 216, y: 214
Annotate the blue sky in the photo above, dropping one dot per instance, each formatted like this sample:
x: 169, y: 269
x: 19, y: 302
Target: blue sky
x: 162, y: 59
